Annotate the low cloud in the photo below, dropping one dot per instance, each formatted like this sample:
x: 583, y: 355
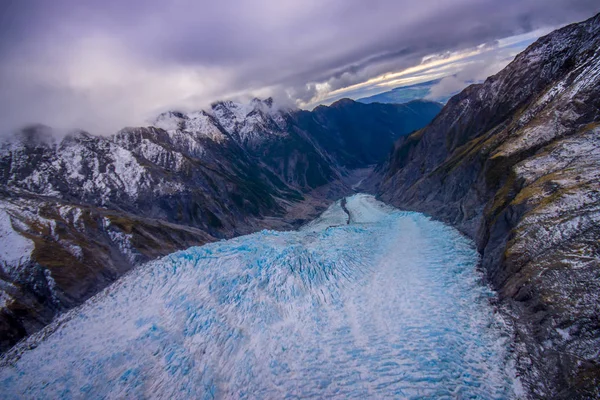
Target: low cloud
x: 473, y: 71
x: 101, y: 65
x: 97, y: 85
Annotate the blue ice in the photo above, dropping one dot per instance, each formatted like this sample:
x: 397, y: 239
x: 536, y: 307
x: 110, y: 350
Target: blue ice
x: 383, y: 304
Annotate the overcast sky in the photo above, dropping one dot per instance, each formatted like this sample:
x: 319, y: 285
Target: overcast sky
x: 101, y: 65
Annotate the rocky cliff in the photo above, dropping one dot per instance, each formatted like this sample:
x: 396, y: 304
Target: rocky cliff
x: 515, y: 164
x: 77, y: 213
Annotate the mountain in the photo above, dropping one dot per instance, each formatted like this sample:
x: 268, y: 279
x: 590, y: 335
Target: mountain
x: 357, y: 134
x: 514, y: 163
x: 406, y: 94
x: 77, y: 213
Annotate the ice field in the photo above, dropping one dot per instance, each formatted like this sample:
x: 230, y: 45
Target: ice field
x: 373, y: 303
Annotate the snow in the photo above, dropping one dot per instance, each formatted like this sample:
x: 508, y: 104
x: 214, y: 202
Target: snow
x: 188, y: 142
x: 194, y: 123
x: 122, y: 240
x: 159, y: 155
x: 127, y: 170
x: 552, y: 115
x: 387, y: 306
x: 72, y: 248
x: 15, y: 249
x: 239, y: 110
x: 51, y: 285
x: 583, y: 149
x: 564, y: 333
x: 569, y: 167
x: 72, y: 215
x: 200, y: 123
x: 333, y: 216
x: 123, y: 173
x: 6, y: 289
x: 229, y: 114
x: 250, y: 123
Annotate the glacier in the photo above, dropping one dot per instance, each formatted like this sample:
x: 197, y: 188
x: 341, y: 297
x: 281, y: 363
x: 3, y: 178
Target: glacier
x: 366, y: 301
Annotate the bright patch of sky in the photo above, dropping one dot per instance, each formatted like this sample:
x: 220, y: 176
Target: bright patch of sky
x: 458, y: 69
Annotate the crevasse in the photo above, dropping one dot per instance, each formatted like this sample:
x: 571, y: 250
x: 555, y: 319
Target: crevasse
x: 379, y: 303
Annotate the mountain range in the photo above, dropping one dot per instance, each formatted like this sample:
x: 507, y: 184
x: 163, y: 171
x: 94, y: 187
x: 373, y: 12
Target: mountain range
x: 77, y: 213
x: 513, y: 163
x: 406, y: 94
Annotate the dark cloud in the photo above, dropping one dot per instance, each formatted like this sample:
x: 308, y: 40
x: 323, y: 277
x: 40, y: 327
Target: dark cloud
x: 107, y: 63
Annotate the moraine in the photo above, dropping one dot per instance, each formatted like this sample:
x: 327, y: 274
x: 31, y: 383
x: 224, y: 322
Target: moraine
x: 365, y: 302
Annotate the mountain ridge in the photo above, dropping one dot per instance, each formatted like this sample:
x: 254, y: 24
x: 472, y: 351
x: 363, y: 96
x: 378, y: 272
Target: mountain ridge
x: 86, y: 208
x: 406, y: 94
x: 513, y: 162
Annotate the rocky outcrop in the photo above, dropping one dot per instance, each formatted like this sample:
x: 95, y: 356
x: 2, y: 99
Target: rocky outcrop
x: 515, y: 164
x: 57, y: 254
x: 76, y: 214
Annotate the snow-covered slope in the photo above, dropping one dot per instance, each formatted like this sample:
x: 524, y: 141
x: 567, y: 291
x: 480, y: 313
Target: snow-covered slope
x: 389, y: 305
x: 198, y: 124
x: 16, y: 249
x: 251, y: 124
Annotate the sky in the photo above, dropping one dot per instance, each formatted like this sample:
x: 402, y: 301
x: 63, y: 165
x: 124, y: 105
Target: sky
x: 100, y: 65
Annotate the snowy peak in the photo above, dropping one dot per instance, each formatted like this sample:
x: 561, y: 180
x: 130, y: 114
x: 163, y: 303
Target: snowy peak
x: 251, y: 124
x: 239, y: 111
x: 268, y: 102
x: 198, y: 123
x: 81, y: 138
x: 201, y: 123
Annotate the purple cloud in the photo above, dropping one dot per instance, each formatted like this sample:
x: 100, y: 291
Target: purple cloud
x: 100, y: 65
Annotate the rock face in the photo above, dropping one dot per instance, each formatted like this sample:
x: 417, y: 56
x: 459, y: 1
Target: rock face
x: 515, y: 164
x: 357, y: 134
x: 76, y: 214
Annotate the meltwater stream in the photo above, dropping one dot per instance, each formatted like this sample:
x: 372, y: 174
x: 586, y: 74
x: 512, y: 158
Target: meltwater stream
x: 379, y: 303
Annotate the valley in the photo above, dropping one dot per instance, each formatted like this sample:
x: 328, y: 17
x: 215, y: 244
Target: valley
x: 385, y: 304
x: 257, y: 250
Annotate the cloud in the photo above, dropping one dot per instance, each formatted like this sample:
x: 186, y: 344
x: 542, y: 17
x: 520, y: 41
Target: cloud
x: 96, y: 84
x: 101, y: 65
x: 477, y: 68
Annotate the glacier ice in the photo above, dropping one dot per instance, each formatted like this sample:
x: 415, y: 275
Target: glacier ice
x: 382, y: 304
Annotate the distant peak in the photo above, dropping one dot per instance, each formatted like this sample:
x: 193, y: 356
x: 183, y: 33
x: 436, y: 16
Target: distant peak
x: 342, y: 102
x: 255, y: 103
x: 222, y: 103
